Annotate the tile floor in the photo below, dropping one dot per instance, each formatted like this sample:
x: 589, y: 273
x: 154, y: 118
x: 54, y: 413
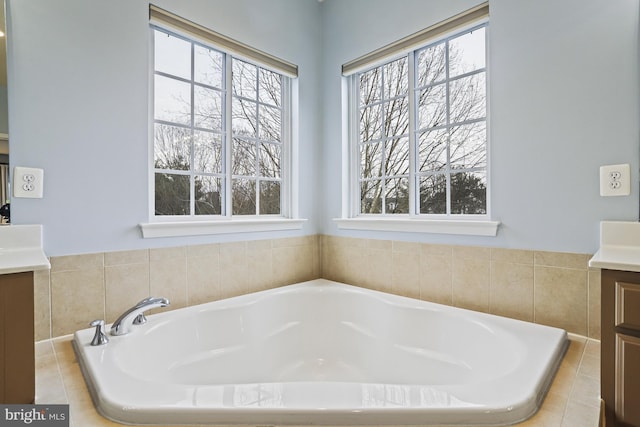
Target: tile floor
x: 572, y: 401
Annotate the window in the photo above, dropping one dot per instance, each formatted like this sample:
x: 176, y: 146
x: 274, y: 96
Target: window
x: 422, y: 131
x: 214, y: 156
x: 222, y: 146
x: 417, y: 137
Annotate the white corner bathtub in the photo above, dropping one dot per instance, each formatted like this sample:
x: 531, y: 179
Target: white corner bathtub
x: 322, y: 352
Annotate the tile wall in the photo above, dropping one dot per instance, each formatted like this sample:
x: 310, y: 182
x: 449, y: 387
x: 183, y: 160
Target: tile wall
x: 551, y: 288
x: 81, y: 288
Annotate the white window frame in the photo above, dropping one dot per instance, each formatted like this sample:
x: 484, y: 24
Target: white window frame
x: 478, y: 225
x: 188, y: 225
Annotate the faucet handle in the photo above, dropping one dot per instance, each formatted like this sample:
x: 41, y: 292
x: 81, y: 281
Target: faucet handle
x: 100, y: 337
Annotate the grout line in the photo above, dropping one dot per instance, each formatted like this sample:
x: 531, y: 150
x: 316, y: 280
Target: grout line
x: 50, y: 305
x: 59, y: 371
x: 573, y: 382
x: 533, y: 297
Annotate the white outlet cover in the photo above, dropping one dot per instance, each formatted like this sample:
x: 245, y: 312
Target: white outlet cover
x: 28, y: 182
x: 610, y: 186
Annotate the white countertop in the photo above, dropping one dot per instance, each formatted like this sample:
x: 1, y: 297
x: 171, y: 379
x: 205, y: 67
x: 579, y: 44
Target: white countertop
x: 619, y: 246
x: 617, y: 258
x: 21, y: 249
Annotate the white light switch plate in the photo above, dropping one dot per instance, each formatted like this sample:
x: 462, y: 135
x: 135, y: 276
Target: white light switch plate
x: 615, y: 180
x: 27, y: 182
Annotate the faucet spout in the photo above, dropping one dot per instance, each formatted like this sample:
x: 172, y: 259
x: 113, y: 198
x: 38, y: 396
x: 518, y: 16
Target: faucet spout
x: 124, y: 323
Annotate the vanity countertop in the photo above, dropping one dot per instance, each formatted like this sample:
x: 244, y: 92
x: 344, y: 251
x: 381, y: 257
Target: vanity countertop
x: 619, y: 246
x: 21, y: 249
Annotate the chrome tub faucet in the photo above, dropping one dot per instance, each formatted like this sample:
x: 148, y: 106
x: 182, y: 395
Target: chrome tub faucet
x: 135, y: 315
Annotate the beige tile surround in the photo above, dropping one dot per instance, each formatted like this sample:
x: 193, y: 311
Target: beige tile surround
x: 80, y: 288
x: 551, y: 288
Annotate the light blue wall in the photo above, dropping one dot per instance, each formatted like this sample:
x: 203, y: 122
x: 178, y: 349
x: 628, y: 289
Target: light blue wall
x: 563, y: 102
x: 79, y: 81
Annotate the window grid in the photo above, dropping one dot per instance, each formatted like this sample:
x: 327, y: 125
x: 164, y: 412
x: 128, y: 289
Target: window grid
x: 260, y: 179
x: 449, y: 123
x: 388, y: 138
x: 172, y: 178
x: 462, y: 172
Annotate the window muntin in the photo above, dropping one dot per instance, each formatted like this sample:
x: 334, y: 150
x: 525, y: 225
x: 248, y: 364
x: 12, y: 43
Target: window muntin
x: 422, y: 130
x: 200, y: 169
x: 384, y: 138
x: 257, y: 140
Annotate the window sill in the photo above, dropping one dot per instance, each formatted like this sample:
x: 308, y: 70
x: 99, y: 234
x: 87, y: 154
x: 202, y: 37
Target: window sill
x: 200, y: 228
x: 463, y: 227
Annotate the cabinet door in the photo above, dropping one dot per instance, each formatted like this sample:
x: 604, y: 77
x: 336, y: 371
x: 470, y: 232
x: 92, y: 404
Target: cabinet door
x: 17, y: 359
x: 627, y: 379
x: 628, y: 305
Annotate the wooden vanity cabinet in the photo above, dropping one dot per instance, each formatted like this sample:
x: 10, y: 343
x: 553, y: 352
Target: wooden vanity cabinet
x: 17, y: 353
x: 620, y: 361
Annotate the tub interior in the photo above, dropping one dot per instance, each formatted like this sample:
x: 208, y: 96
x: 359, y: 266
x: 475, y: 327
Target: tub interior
x: 289, y: 337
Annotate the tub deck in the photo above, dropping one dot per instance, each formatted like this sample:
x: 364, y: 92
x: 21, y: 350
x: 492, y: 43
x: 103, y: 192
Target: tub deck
x: 324, y: 353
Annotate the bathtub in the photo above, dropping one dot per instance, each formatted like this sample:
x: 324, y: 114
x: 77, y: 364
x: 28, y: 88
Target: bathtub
x: 322, y: 352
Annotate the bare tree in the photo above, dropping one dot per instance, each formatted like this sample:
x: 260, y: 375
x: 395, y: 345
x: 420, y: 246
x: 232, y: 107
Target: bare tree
x: 450, y: 133
x: 189, y: 132
x: 257, y: 142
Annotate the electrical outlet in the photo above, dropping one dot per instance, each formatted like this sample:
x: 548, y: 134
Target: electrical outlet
x: 27, y: 182
x: 615, y: 180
